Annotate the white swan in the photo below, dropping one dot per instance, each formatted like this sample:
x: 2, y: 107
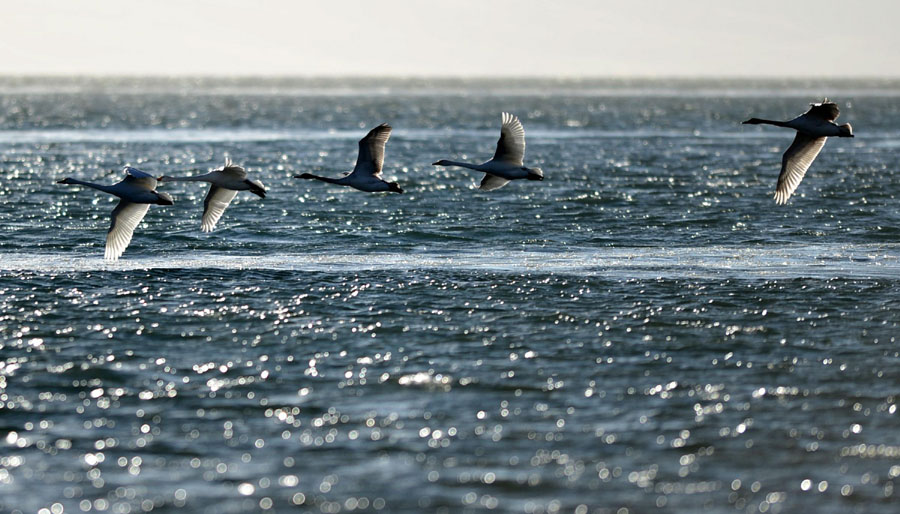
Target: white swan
x: 508, y: 162
x: 366, y: 175
x: 813, y: 128
x: 137, y: 191
x: 225, y: 183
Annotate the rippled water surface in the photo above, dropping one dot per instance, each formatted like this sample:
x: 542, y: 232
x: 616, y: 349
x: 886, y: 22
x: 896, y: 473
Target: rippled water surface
x: 643, y: 331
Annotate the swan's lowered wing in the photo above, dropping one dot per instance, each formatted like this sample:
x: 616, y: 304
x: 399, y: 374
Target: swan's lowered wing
x: 217, y: 200
x: 491, y: 182
x: 125, y: 218
x: 795, y: 162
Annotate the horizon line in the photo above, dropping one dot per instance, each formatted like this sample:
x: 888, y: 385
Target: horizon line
x: 491, y: 78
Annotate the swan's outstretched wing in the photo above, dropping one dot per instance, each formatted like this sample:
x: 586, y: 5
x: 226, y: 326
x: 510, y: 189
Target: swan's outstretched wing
x: 371, y: 151
x: 491, y: 182
x: 511, y: 146
x: 233, y: 170
x: 125, y: 217
x: 795, y: 162
x: 140, y: 179
x: 826, y: 110
x: 217, y: 200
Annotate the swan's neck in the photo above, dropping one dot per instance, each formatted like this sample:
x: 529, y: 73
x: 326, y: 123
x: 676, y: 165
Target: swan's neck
x: 461, y: 164
x: 326, y: 179
x: 99, y: 187
x: 758, y: 121
x: 198, y: 178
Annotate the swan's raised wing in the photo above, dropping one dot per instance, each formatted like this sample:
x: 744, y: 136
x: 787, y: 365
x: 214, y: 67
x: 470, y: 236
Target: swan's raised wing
x: 233, y: 170
x: 795, y: 162
x: 371, y: 151
x: 214, y: 206
x: 511, y: 146
x: 125, y: 218
x: 140, y: 179
x: 826, y: 110
x: 491, y: 182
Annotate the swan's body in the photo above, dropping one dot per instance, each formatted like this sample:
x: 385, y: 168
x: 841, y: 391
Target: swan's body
x: 813, y: 128
x: 366, y: 175
x: 225, y: 183
x: 137, y: 192
x: 508, y: 161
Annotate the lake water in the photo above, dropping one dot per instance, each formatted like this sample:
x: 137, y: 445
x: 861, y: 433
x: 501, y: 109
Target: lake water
x: 643, y: 331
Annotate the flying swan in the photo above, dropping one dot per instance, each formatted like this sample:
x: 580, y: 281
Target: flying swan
x: 225, y: 183
x: 813, y: 128
x: 136, y: 191
x: 508, y: 162
x: 366, y: 175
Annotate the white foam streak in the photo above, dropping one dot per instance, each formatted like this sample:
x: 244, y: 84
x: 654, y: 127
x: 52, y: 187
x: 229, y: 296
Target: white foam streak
x: 816, y: 261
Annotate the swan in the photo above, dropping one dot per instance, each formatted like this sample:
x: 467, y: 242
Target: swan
x: 225, y: 183
x: 366, y: 175
x: 813, y: 128
x: 137, y: 191
x: 507, y: 163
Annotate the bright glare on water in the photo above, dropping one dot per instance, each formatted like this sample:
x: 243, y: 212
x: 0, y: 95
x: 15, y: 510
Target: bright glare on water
x: 643, y: 331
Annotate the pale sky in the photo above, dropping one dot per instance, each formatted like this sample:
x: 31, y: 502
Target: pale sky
x: 458, y: 38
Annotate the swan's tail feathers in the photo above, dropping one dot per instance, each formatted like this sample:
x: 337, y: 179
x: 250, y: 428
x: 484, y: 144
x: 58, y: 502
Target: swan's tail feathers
x: 257, y: 188
x: 846, y: 130
x: 535, y: 174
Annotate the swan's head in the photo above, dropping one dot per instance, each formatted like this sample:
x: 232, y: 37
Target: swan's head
x: 534, y: 173
x: 304, y: 175
x: 67, y: 180
x: 442, y: 162
x: 395, y: 187
x: 845, y: 130
x: 163, y: 199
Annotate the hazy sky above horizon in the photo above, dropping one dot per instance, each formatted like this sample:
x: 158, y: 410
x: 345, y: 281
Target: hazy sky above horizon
x: 799, y: 38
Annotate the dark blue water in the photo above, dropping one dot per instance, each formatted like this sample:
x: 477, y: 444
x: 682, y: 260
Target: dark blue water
x: 643, y: 331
